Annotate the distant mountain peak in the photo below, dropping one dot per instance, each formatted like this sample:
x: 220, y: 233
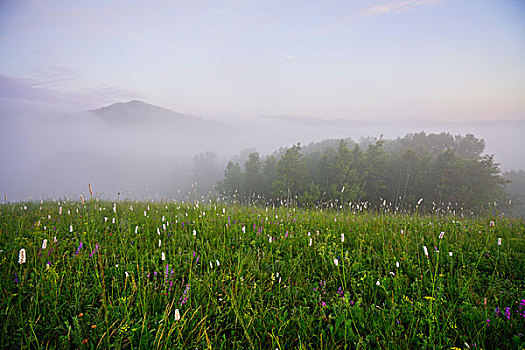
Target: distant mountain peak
x: 135, y: 111
x: 133, y: 104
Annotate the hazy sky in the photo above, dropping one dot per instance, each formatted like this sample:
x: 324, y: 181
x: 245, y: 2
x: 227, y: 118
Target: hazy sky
x: 429, y: 59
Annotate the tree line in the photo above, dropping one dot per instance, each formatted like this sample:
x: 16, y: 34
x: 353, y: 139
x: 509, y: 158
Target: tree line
x: 441, y: 169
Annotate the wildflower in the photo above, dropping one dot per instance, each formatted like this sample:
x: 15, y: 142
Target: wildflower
x: 449, y: 253
x: 397, y: 264
x: 94, y: 251
x: 441, y: 235
x: 84, y: 341
x: 177, y: 314
x: 44, y: 244
x: 243, y: 229
x: 343, y: 189
x: 419, y: 201
x: 342, y: 237
x: 218, y: 263
x: 126, y: 273
x: 499, y: 241
x: 163, y: 256
x: 136, y: 229
x: 507, y: 313
x: 378, y: 283
x: 336, y: 262
x: 60, y: 211
x: 497, y: 312
x: 425, y: 250
x: 70, y: 228
x: 115, y: 208
x: 270, y: 239
x: 491, y: 223
x: 78, y: 249
x: 22, y: 256
x: 310, y: 242
x: 194, y: 232
x: 160, y: 242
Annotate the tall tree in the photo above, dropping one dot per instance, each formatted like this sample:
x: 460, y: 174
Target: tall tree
x: 231, y: 185
x: 291, y: 176
x: 252, y: 184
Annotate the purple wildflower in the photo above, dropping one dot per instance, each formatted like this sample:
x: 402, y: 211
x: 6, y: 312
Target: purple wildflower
x: 78, y: 249
x: 94, y: 251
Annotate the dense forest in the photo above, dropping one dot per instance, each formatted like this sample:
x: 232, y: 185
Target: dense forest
x: 428, y: 170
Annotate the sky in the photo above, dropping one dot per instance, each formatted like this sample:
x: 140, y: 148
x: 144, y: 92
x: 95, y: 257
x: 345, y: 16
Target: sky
x: 446, y: 60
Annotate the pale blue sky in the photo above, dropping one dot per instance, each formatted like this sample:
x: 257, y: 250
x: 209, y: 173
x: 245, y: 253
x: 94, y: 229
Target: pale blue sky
x: 428, y: 59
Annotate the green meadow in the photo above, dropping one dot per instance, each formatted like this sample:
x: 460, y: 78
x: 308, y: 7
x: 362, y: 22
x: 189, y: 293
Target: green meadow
x: 206, y: 275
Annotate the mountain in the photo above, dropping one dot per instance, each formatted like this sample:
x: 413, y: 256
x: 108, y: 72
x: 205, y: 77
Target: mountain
x: 141, y: 114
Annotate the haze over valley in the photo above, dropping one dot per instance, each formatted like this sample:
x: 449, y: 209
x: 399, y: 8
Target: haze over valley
x: 139, y: 150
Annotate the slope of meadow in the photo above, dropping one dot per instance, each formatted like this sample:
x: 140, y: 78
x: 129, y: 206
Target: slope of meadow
x: 206, y: 275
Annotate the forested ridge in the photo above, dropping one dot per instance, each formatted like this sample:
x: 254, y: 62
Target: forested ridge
x: 434, y: 170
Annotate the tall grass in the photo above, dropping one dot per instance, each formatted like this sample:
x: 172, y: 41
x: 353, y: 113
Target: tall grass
x: 257, y: 277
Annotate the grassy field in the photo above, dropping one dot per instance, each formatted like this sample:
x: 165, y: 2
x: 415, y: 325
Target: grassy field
x: 174, y: 275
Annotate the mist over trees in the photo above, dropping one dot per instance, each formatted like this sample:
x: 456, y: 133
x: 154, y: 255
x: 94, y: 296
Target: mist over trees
x: 516, y: 191
x: 442, y: 169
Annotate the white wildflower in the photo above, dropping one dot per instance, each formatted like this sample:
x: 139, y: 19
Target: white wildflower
x: 441, y: 235
x: 44, y: 244
x: 163, y: 256
x: 177, y: 314
x: 425, y: 250
x: 336, y: 262
x: 22, y: 256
